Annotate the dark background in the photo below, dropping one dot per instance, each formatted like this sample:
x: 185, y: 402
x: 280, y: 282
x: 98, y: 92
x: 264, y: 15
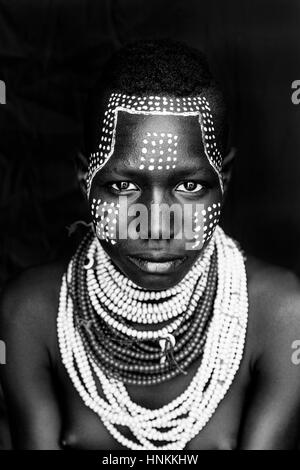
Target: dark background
x: 50, y: 52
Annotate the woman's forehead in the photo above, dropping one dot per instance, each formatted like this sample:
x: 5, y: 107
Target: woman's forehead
x: 141, y: 124
x: 159, y: 146
x: 129, y: 120
x: 140, y: 137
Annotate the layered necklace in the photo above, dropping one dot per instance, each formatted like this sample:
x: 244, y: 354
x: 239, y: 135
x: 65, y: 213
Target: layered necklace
x: 114, y: 332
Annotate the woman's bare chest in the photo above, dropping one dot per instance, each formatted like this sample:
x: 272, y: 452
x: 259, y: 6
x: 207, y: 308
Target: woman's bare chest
x: 83, y: 429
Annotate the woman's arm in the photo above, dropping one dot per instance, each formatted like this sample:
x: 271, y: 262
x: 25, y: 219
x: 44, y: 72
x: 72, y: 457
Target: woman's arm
x: 26, y: 378
x: 272, y: 417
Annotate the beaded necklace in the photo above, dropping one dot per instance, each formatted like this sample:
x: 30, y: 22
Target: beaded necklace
x: 99, y: 342
x: 133, y: 360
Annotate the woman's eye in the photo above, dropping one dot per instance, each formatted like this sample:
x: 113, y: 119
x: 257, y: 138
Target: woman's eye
x: 189, y: 187
x: 124, y: 186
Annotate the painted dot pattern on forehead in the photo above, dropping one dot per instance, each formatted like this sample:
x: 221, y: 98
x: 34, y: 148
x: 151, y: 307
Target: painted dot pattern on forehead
x: 154, y: 105
x: 204, y: 230
x: 105, y: 217
x: 161, y: 147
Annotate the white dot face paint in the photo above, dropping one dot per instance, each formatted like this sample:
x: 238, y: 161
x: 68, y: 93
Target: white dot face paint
x: 205, y: 224
x: 163, y: 150
x: 105, y: 216
x: 159, y: 145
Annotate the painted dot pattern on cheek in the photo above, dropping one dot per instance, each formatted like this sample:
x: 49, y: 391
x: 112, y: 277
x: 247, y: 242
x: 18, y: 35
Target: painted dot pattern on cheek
x: 210, y: 217
x: 105, y: 217
x: 161, y: 147
x: 154, y: 105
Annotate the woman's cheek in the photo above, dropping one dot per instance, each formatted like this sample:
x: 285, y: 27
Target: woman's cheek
x: 105, y: 218
x: 109, y: 223
x: 205, y: 219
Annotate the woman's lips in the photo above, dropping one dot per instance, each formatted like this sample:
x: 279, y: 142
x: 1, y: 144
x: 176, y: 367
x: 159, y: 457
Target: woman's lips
x: 156, y: 266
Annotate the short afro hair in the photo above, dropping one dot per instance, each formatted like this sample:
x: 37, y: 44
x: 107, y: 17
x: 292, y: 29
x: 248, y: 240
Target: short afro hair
x: 158, y: 67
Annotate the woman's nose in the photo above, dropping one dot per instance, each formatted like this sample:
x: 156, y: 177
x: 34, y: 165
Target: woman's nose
x: 160, y: 215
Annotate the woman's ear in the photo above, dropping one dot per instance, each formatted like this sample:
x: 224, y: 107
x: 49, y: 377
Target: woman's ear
x: 227, y: 167
x: 82, y: 170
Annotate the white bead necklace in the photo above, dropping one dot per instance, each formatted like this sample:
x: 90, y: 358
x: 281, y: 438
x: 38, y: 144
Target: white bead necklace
x: 130, y: 302
x: 185, y: 416
x: 103, y: 289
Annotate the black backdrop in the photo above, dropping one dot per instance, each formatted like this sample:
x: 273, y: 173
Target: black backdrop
x: 50, y: 50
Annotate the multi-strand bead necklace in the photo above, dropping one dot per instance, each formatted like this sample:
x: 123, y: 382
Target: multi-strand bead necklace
x: 135, y: 356
x: 101, y: 337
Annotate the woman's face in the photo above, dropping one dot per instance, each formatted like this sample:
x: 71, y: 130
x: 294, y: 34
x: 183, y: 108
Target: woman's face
x: 157, y: 200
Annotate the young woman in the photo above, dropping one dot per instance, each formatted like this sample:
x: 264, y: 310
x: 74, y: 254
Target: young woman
x: 159, y: 333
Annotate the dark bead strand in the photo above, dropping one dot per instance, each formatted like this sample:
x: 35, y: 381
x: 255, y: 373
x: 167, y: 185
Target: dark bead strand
x: 191, y: 358
x: 136, y: 357
x: 121, y: 349
x: 157, y: 379
x: 185, y: 352
x: 178, y: 345
x: 154, y: 349
x: 156, y: 353
x: 90, y: 339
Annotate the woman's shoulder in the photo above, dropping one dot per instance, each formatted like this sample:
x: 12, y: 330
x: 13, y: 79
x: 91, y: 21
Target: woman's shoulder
x: 275, y: 288
x: 29, y: 302
x: 274, y: 308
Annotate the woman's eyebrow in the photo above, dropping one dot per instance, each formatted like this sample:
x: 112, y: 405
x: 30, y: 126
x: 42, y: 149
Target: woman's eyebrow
x: 195, y: 170
x: 127, y: 170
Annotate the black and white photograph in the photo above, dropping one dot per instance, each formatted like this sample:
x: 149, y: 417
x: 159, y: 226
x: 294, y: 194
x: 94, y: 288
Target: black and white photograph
x: 150, y: 227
